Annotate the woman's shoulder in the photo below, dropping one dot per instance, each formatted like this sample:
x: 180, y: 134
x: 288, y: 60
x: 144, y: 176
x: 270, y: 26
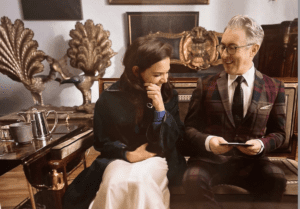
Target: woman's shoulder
x: 174, y: 97
x: 173, y: 101
x: 109, y: 93
x: 175, y: 93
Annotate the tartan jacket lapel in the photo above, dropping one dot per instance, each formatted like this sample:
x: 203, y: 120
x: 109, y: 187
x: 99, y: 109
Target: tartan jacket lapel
x: 257, y: 90
x: 223, y: 91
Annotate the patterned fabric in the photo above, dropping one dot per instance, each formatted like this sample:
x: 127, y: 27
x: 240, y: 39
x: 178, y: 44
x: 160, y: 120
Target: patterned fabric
x: 210, y: 113
x: 262, y: 178
x: 238, y: 102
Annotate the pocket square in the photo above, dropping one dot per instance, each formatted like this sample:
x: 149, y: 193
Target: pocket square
x: 266, y: 107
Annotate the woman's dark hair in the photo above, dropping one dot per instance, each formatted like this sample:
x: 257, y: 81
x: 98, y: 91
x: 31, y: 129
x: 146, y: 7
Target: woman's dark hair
x: 143, y: 53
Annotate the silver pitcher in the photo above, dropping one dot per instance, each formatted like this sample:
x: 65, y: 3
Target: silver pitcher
x: 38, y: 120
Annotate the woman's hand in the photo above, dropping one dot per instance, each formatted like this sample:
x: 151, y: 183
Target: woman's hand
x: 154, y: 93
x: 139, y: 154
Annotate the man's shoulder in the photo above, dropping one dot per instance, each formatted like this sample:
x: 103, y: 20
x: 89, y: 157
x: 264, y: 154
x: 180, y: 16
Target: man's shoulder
x: 270, y: 85
x: 212, y: 77
x: 271, y: 81
x: 208, y: 79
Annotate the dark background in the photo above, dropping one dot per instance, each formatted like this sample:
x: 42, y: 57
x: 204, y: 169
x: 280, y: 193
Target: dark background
x: 142, y: 23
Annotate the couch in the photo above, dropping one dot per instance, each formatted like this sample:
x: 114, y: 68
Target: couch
x: 285, y: 157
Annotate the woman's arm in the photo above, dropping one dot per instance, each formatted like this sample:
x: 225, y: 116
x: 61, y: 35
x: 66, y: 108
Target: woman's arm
x: 163, y: 136
x: 102, y: 142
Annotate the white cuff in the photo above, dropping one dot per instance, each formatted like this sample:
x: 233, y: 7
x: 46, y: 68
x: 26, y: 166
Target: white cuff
x: 207, y: 140
x: 262, y: 146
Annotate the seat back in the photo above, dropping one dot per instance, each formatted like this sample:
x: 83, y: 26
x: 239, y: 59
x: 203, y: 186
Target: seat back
x: 186, y: 86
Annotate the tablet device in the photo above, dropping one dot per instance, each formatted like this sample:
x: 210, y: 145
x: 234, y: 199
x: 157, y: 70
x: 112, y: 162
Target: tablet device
x: 236, y: 144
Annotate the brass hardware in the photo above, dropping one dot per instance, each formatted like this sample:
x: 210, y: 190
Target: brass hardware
x: 57, y: 180
x: 90, y: 51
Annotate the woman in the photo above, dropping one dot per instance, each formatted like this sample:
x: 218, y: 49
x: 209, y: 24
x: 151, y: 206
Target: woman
x: 136, y: 128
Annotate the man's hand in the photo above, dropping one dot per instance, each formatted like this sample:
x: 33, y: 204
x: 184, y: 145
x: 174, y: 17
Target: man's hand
x: 251, y: 150
x: 215, y: 146
x: 154, y: 93
x: 139, y: 154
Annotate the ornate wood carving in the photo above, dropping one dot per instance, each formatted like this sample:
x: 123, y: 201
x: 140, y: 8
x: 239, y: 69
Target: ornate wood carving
x: 197, y: 48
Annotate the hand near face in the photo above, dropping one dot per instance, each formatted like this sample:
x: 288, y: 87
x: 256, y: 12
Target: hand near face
x: 139, y: 154
x: 215, y: 146
x: 251, y: 150
x: 154, y: 93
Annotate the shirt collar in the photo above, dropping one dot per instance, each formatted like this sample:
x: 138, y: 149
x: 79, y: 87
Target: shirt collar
x: 249, y: 76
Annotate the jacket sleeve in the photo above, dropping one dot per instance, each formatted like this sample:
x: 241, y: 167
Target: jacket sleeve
x: 275, y: 132
x: 162, y: 138
x: 102, y: 142
x: 195, y: 121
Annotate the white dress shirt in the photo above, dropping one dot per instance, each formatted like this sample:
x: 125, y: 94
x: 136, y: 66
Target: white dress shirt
x: 247, y: 87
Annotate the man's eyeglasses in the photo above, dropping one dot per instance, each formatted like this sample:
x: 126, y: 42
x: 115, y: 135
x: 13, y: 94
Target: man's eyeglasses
x: 231, y: 49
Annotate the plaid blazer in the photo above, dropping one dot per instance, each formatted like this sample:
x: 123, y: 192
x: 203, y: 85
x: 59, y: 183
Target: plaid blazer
x: 210, y: 114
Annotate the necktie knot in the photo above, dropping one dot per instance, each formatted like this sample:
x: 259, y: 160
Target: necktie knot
x: 240, y: 79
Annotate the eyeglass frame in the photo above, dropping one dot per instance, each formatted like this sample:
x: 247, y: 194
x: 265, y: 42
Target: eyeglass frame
x: 235, y: 47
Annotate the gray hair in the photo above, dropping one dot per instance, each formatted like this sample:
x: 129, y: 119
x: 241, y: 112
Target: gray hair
x: 254, y: 32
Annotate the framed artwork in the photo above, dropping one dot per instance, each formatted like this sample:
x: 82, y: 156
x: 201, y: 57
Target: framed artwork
x: 144, y: 23
x: 52, y: 10
x: 137, y: 2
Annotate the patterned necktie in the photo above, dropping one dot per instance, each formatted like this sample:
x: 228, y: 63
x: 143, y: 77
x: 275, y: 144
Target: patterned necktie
x: 238, y: 102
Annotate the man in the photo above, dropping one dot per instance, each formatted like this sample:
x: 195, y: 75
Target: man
x: 241, y: 105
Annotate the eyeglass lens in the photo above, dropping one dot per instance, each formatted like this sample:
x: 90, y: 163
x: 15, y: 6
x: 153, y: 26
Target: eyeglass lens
x: 230, y: 49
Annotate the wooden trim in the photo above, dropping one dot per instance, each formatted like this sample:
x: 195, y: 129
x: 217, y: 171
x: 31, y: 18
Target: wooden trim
x: 102, y: 81
x: 157, y: 2
x: 288, y: 79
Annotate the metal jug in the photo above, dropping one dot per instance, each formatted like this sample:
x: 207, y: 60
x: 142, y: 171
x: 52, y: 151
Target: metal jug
x: 38, y: 120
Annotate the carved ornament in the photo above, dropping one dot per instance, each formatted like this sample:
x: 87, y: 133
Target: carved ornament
x: 197, y: 48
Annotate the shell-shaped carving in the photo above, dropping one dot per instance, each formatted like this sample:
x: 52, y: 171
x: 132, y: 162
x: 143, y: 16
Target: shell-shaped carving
x: 19, y: 57
x: 199, y: 48
x: 90, y: 49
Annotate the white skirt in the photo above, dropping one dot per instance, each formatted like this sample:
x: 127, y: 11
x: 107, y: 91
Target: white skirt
x: 141, y: 185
